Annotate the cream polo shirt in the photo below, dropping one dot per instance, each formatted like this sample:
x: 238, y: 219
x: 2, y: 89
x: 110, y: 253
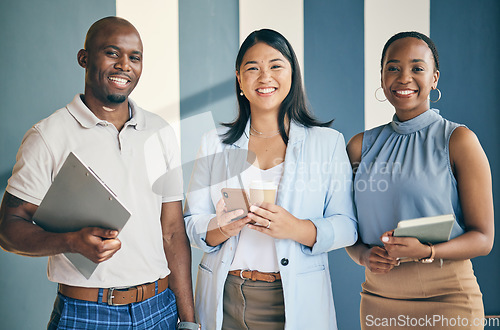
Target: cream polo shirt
x: 141, y: 165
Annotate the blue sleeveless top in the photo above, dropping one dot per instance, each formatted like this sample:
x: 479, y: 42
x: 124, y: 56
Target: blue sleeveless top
x: 405, y: 173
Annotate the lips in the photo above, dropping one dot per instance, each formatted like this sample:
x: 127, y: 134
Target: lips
x: 119, y: 81
x: 405, y: 92
x: 266, y: 90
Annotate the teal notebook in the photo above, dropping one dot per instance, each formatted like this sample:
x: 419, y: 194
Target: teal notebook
x: 433, y: 230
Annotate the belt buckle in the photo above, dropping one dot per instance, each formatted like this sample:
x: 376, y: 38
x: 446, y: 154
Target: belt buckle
x: 110, y: 298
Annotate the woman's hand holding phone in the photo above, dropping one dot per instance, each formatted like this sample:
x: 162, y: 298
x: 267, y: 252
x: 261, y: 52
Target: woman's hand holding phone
x: 225, y: 219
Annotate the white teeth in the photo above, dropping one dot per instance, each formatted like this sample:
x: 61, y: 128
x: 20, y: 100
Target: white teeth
x: 266, y: 90
x: 405, y: 92
x: 117, y: 80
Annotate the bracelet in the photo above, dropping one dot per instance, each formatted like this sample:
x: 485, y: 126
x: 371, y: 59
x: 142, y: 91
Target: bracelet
x: 430, y: 259
x: 188, y: 326
x: 220, y: 229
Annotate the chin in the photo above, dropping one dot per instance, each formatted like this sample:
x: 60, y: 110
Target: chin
x: 116, y: 98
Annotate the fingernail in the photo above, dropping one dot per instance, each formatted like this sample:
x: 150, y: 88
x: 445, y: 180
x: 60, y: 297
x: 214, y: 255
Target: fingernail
x: 252, y: 208
x: 385, y: 239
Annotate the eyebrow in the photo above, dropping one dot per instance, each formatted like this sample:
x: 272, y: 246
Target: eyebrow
x: 273, y: 60
x: 417, y: 60
x: 137, y: 52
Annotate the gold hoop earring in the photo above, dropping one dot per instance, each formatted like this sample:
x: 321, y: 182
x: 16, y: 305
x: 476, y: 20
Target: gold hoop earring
x: 376, y: 91
x: 439, y: 95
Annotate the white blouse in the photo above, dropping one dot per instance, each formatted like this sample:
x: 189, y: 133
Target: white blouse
x: 256, y: 250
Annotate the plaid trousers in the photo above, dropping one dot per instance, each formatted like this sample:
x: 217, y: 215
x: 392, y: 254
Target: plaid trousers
x: 158, y: 312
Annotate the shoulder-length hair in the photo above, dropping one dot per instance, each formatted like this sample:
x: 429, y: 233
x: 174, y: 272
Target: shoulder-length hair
x: 294, y: 106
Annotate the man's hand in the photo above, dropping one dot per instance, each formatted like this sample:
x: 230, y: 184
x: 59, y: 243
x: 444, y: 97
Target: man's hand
x: 97, y: 244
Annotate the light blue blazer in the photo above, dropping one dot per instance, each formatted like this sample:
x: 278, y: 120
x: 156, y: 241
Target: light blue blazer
x: 316, y: 185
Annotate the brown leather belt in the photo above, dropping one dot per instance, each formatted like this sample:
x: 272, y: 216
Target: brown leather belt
x: 255, y: 275
x: 115, y: 297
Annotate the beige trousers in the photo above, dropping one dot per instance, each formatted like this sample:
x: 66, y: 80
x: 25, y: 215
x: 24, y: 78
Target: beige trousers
x: 253, y: 305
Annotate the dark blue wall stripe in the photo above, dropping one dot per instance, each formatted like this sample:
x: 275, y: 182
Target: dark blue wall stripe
x: 334, y: 79
x: 467, y: 34
x: 208, y: 44
x: 334, y: 62
x: 40, y: 40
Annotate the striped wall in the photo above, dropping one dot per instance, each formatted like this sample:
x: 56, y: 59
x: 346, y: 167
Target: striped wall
x: 188, y: 78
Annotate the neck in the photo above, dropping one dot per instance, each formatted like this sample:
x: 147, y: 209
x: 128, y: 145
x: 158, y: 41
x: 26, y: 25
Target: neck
x: 265, y: 123
x: 407, y: 115
x: 117, y: 114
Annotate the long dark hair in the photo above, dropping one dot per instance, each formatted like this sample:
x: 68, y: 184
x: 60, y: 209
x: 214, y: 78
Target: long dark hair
x: 294, y: 106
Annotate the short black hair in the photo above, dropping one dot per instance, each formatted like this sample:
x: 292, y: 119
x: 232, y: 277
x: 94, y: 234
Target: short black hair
x: 294, y: 106
x: 412, y: 34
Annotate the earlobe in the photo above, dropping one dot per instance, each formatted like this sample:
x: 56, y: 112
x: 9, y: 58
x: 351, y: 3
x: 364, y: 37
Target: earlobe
x: 436, y: 78
x: 238, y: 77
x: 81, y: 57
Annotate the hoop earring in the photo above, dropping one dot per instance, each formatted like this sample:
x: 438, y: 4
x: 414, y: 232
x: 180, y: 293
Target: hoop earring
x: 439, y: 95
x: 376, y: 91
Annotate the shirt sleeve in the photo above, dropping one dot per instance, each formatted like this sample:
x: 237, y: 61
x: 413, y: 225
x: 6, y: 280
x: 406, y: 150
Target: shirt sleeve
x: 33, y: 172
x: 340, y: 228
x: 170, y: 183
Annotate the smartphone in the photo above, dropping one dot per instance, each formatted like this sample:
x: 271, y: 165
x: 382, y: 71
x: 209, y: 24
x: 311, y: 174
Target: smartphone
x: 236, y: 199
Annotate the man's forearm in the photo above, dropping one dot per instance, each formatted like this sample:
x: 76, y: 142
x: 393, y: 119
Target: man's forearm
x: 27, y: 239
x: 178, y: 253
x: 19, y: 235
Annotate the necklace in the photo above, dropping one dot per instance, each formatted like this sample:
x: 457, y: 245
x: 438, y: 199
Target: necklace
x: 260, y: 134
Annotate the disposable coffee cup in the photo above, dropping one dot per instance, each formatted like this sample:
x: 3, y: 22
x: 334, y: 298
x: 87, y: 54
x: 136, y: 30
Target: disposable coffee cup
x: 263, y: 191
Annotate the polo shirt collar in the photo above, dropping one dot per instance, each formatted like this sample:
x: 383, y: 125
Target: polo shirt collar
x: 88, y: 119
x: 138, y: 118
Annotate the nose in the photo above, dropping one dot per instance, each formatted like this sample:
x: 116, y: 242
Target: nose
x: 265, y: 75
x: 123, y: 63
x: 405, y: 77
